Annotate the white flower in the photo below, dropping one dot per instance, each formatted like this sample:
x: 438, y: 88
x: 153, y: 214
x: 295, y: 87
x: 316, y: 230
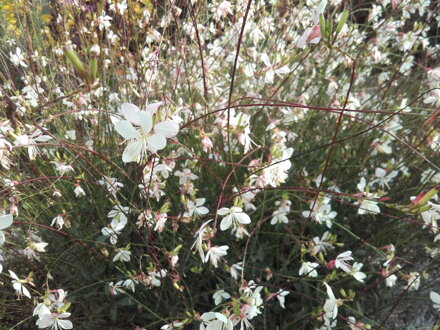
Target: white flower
x: 59, y: 220
x: 435, y: 297
x: 79, y: 191
x: 382, y: 178
x: 219, y: 296
x: 39, y: 247
x: 196, y: 208
x: 235, y: 269
x: 119, y: 7
x: 199, y: 238
x: 160, y: 219
x: 271, y: 71
x: 331, y: 304
x: 130, y: 284
x: 40, y: 310
x: 321, y: 245
x: 20, y: 289
x: 114, y: 229
x: 325, y: 214
x: 233, y: 216
x: 433, y: 98
x: 30, y: 140
x: 368, y: 207
x: 111, y: 185
x: 357, y: 274
x: 122, y: 255
x: 341, y: 261
x: 148, y: 137
x: 118, y: 213
x: 115, y: 289
x: 104, y: 21
x: 390, y: 281
x: 155, y: 277
x: 279, y: 217
x: 55, y: 321
x: 63, y: 168
x: 215, y: 253
x: 17, y: 58
x: 309, y: 269
x: 185, y: 176
x: 413, y: 281
x: 215, y: 321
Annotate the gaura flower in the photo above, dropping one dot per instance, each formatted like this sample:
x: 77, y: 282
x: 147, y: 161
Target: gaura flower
x: 141, y: 133
x: 331, y: 305
x: 233, y: 216
x: 55, y: 321
x: 215, y: 253
x: 309, y: 269
x: 20, y: 289
x: 114, y: 229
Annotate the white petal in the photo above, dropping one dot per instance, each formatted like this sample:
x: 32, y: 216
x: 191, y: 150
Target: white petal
x: 65, y: 324
x: 13, y: 275
x: 106, y: 231
x: 146, y: 121
x: 380, y: 172
x: 265, y: 59
x: 132, y: 151
x: 243, y: 218
x: 346, y: 255
x: 223, y: 211
x: 202, y: 210
x: 221, y: 317
x: 226, y: 223
x: 130, y: 112
x: 126, y: 129
x: 43, y: 138
x: 152, y: 108
x: 329, y: 292
x: 167, y: 128
x: 157, y: 142
x: 284, y: 69
x: 435, y: 297
x: 25, y: 291
x: 301, y: 43
x: 5, y: 221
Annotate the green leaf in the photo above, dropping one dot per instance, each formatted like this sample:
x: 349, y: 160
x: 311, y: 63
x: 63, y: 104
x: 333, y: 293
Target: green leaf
x: 75, y: 61
x: 341, y: 23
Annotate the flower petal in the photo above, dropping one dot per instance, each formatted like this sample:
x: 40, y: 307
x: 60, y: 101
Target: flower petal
x: 132, y: 151
x: 13, y: 275
x: 26, y: 291
x: 435, y: 297
x: 226, y: 223
x: 130, y: 112
x: 243, y: 218
x: 157, y: 142
x: 167, y: 128
x: 223, y: 211
x: 146, y: 121
x: 65, y: 324
x: 152, y: 108
x: 126, y: 129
